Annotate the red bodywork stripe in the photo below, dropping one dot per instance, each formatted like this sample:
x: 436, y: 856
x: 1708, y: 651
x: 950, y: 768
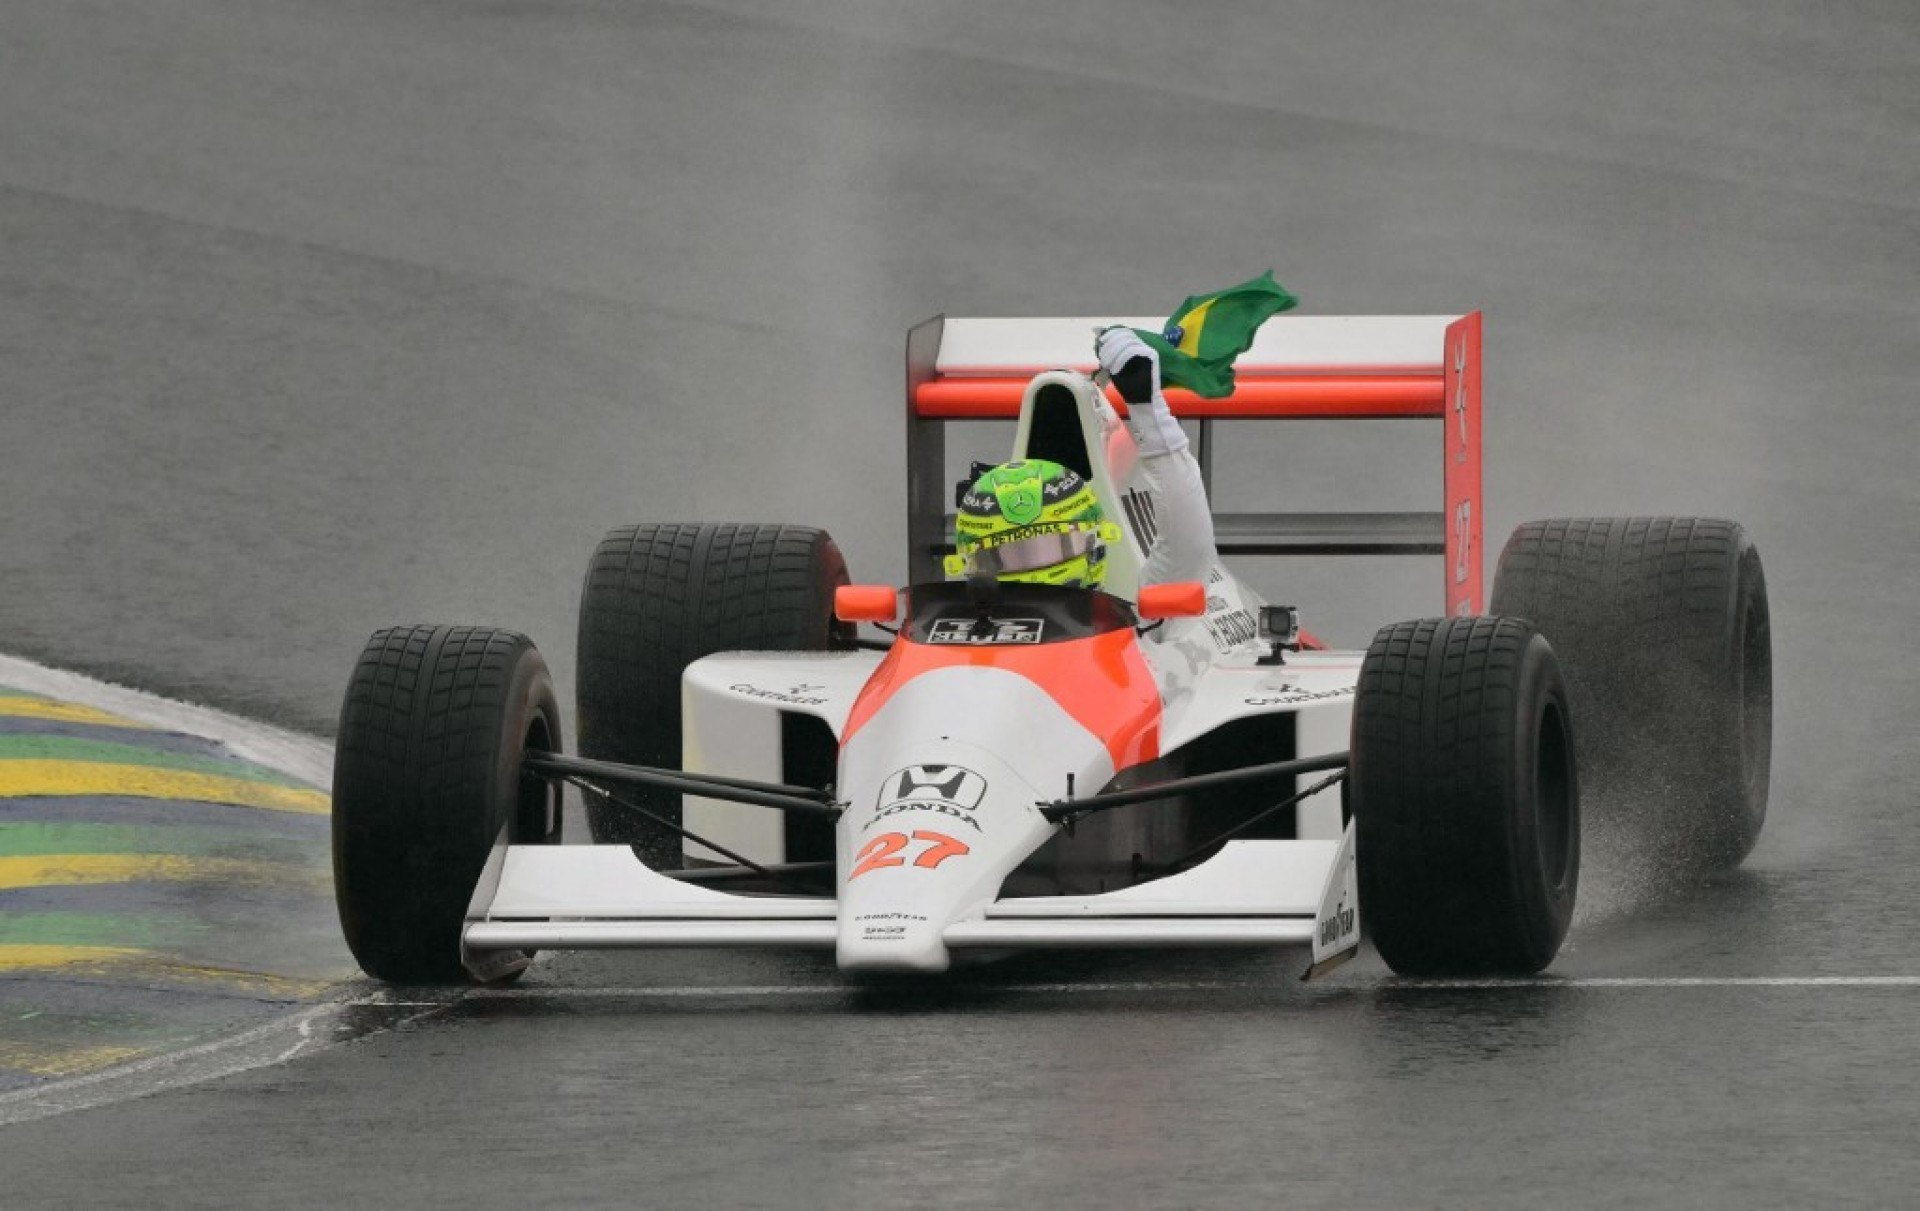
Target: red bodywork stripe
x: 1330, y: 396
x: 1102, y: 681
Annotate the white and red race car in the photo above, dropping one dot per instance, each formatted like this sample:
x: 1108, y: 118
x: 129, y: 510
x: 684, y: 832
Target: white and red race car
x: 1023, y: 766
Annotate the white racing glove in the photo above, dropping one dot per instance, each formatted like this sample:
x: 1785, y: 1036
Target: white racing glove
x: 1134, y: 368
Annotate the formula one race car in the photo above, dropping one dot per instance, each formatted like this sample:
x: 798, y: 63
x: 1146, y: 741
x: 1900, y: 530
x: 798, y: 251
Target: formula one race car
x: 1022, y: 766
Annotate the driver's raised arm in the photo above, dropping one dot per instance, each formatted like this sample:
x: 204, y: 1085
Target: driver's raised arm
x: 1184, y: 549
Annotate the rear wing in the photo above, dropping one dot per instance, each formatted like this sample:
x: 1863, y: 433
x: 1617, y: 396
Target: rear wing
x: 1299, y: 368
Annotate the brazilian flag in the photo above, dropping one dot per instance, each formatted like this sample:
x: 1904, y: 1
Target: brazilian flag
x: 1208, y: 331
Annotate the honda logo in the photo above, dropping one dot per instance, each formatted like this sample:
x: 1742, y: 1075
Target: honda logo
x: 953, y: 784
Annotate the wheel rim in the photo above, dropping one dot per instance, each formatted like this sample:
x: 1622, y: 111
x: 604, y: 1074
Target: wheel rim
x: 537, y: 804
x: 1553, y: 797
x: 1756, y: 700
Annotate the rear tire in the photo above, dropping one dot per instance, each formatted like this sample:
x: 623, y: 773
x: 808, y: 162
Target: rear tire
x: 659, y: 597
x: 1465, y: 798
x: 1662, y: 626
x: 426, y: 776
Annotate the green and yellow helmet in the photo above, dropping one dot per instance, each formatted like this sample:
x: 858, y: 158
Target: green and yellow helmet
x: 1034, y: 522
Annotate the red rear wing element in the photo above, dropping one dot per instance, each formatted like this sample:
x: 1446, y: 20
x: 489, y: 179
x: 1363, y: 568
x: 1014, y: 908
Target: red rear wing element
x: 1299, y: 368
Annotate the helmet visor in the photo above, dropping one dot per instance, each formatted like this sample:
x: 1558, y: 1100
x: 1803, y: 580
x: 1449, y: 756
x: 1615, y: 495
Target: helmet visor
x: 1032, y: 553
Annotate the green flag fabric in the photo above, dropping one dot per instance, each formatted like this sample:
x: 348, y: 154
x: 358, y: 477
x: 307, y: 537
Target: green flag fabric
x: 1208, y: 331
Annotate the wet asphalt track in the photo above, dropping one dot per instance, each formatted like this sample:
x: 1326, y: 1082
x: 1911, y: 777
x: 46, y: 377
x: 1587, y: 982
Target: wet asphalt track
x: 315, y: 317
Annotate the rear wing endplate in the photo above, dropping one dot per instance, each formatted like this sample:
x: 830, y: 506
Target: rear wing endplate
x: 1299, y: 368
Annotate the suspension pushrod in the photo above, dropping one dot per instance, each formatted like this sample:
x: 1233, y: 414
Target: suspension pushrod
x: 803, y: 800
x: 1060, y: 809
x: 682, y: 833
x: 722, y: 874
x: 1251, y: 821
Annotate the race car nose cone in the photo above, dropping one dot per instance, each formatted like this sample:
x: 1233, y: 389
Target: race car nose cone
x: 892, y: 941
x: 928, y: 843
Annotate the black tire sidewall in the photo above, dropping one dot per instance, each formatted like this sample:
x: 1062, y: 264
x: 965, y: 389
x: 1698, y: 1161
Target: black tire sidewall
x: 1546, y: 909
x: 1751, y: 741
x: 530, y: 697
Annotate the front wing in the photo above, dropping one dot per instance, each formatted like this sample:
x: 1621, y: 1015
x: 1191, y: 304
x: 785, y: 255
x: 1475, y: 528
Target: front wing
x: 1252, y: 893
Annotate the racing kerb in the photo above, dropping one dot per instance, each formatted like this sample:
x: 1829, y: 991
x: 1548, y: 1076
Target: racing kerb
x: 1299, y: 368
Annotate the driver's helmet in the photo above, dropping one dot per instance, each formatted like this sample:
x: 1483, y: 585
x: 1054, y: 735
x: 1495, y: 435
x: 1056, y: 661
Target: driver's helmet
x: 1032, y: 522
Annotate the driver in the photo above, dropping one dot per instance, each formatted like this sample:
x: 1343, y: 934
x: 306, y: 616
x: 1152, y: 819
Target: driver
x: 1033, y: 522
x: 1037, y: 522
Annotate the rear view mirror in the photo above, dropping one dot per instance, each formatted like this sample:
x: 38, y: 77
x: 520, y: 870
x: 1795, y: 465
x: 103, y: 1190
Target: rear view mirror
x: 1180, y: 599
x: 866, y: 603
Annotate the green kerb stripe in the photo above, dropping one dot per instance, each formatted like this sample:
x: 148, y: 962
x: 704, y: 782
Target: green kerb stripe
x: 83, y: 929
x: 69, y: 748
x: 34, y: 838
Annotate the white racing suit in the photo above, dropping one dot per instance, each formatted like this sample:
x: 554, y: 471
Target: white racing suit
x: 1183, y: 547
x: 1183, y: 538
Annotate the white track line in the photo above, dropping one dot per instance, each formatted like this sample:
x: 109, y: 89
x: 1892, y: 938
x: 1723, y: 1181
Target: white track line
x: 305, y: 757
x: 283, y: 1039
x: 684, y: 991
x: 674, y: 991
x: 261, y: 1046
x: 1674, y: 982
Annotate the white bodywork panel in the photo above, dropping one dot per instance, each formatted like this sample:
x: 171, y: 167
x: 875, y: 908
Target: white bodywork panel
x: 730, y: 724
x: 1246, y: 878
x: 607, y: 881
x: 1317, y: 687
x: 1308, y: 683
x: 1323, y: 726
x: 1011, y: 346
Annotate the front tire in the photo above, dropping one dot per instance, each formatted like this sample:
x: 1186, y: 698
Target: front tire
x: 1465, y: 798
x: 426, y: 779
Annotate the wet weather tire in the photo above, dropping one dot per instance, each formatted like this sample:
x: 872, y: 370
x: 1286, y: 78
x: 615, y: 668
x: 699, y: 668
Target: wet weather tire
x: 426, y: 777
x: 1661, y: 624
x: 657, y: 598
x: 1465, y: 798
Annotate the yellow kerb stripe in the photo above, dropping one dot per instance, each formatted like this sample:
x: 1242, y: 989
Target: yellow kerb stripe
x: 123, y: 962
x: 45, y: 1060
x: 33, y: 956
x: 74, y: 870
x: 61, y: 712
x: 19, y: 778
